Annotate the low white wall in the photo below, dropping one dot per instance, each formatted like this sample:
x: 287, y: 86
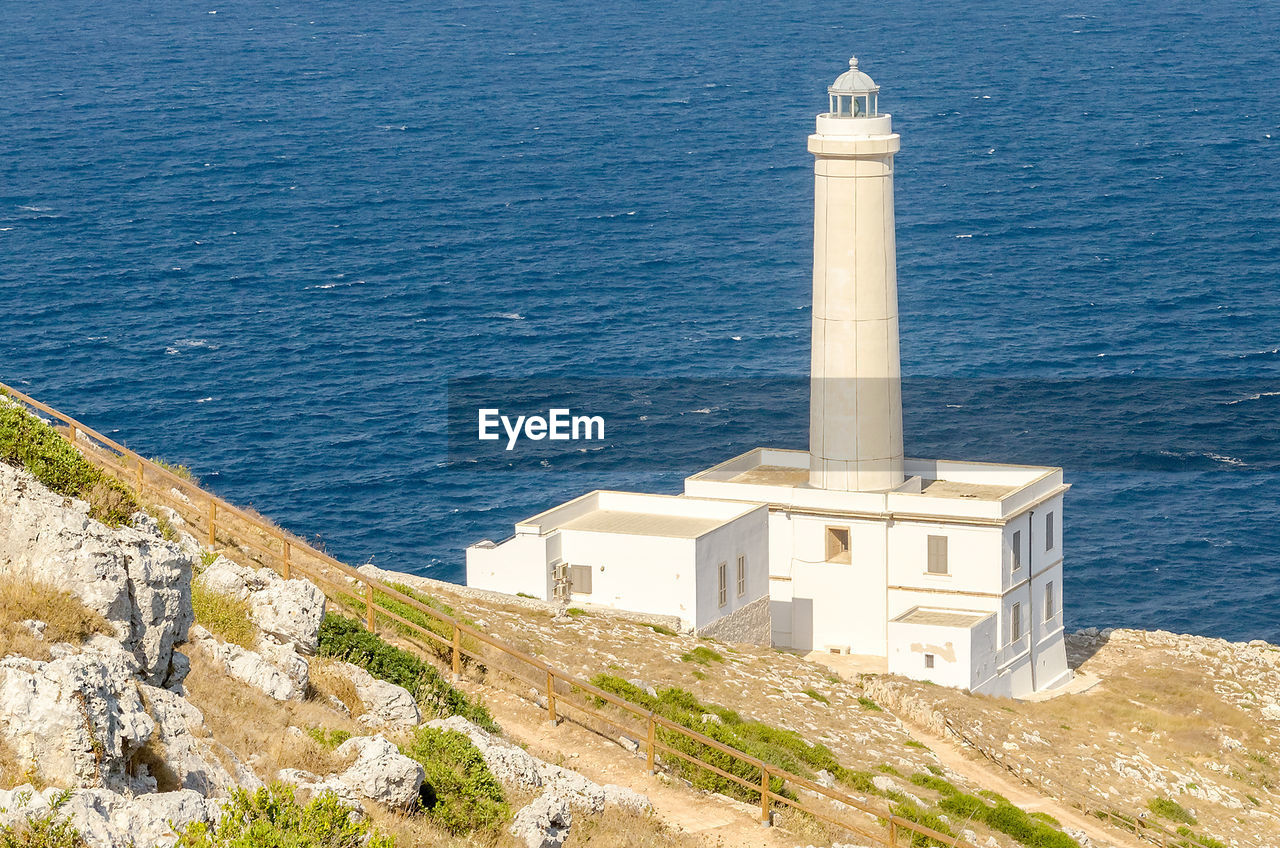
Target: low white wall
x: 519, y: 564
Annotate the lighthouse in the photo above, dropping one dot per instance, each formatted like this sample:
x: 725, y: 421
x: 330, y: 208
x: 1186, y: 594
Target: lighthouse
x: 935, y: 569
x: 855, y: 403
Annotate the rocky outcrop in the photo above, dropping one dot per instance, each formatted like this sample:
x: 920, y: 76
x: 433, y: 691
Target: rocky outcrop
x: 544, y: 822
x: 287, y: 612
x: 511, y: 764
x: 84, y: 720
x: 386, y: 704
x: 380, y: 774
x: 77, y: 719
x: 248, y: 666
x: 134, y: 578
x: 107, y: 820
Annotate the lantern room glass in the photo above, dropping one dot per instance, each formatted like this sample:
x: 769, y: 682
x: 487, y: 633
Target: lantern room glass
x: 854, y: 105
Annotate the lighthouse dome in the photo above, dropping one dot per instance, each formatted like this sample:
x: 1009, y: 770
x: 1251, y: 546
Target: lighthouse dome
x: 854, y: 94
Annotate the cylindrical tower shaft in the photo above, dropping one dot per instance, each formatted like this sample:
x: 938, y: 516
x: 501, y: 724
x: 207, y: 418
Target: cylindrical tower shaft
x: 855, y: 410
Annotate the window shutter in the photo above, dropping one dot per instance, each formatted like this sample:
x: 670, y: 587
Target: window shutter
x: 580, y: 579
x: 938, y: 555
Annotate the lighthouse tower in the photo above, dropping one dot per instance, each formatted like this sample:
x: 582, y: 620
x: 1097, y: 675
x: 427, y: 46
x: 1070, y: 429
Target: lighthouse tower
x: 855, y: 406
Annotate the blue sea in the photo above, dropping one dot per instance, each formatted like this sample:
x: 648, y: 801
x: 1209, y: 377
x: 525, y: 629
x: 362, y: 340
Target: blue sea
x: 294, y: 245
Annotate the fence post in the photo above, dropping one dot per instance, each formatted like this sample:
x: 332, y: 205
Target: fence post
x: 765, y: 818
x: 551, y: 698
x: 287, y: 546
x: 893, y: 831
x: 652, y: 728
x: 369, y: 620
x: 213, y: 517
x: 457, y: 651
x: 71, y: 433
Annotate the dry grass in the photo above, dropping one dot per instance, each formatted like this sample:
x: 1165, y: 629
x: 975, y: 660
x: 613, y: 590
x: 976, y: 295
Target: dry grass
x: 223, y: 615
x: 621, y: 829
x: 67, y: 619
x: 327, y: 680
x: 256, y: 727
x: 12, y: 771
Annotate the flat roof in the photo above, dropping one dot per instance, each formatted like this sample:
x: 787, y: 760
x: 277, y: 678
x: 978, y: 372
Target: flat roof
x: 942, y: 617
x: 773, y: 475
x: 956, y: 489
x: 643, y: 524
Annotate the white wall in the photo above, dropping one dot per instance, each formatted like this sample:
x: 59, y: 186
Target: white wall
x: 973, y: 559
x: 950, y: 647
x: 520, y: 564
x: 654, y: 574
x: 746, y: 536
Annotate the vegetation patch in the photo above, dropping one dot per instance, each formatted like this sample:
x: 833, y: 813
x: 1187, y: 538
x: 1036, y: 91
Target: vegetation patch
x: 271, y: 817
x: 328, y: 739
x: 344, y: 639
x: 817, y: 696
x: 785, y: 749
x: 65, y: 618
x: 223, y: 615
x: 1029, y: 830
x: 51, y: 830
x: 27, y: 442
x: 702, y: 655
x: 460, y: 794
x: 868, y: 704
x: 913, y: 812
x: 176, y: 470
x: 1171, y: 810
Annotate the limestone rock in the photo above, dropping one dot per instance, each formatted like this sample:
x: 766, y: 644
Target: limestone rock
x: 286, y: 611
x: 108, y: 820
x: 133, y: 577
x: 191, y: 757
x: 513, y: 765
x: 386, y: 704
x: 77, y: 718
x: 544, y: 822
x: 247, y: 666
x: 380, y: 774
x: 626, y: 799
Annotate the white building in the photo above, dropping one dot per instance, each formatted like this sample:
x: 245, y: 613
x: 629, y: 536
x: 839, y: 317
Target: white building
x: 951, y: 571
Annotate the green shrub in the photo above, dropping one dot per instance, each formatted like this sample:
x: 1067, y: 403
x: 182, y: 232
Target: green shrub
x: 51, y: 830
x: 817, y: 696
x: 27, y: 442
x: 1030, y: 830
x: 868, y: 704
x: 662, y: 629
x: 223, y: 615
x: 460, y: 794
x: 344, y: 639
x: 930, y: 781
x: 272, y: 818
x: 911, y: 812
x: 702, y: 655
x: 328, y: 739
x: 1171, y: 810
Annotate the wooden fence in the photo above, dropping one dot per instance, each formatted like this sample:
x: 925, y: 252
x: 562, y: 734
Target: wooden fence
x: 565, y: 695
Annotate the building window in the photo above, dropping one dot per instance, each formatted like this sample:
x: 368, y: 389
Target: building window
x: 1048, y: 532
x: 580, y: 579
x: 838, y: 544
x: 742, y: 576
x: 938, y: 555
x: 928, y: 660
x: 1048, y: 601
x: 724, y: 583
x: 1017, y: 550
x: 1015, y: 623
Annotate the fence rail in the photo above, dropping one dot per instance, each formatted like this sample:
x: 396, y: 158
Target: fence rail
x: 292, y: 556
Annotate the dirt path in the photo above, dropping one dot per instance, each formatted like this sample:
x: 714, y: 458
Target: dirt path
x: 988, y: 776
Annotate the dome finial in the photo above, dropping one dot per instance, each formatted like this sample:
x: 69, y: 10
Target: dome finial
x: 853, y: 63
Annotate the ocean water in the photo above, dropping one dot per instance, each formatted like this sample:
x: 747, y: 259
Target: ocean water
x: 275, y: 241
